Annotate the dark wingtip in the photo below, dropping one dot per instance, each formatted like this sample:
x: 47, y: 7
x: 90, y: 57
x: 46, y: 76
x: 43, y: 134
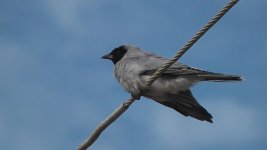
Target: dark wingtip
x: 207, y: 116
x: 221, y: 77
x: 236, y: 78
x: 209, y: 120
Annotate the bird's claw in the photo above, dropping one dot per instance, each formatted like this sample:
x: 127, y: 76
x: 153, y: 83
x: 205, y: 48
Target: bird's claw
x: 137, y: 97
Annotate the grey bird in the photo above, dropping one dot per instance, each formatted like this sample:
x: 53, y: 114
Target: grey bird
x: 133, y: 67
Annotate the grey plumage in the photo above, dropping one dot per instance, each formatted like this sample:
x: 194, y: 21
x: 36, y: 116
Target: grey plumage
x: 133, y: 67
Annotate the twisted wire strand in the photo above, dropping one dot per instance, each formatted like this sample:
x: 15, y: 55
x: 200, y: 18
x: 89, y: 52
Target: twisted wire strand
x: 122, y: 108
x: 190, y: 43
x: 105, y: 123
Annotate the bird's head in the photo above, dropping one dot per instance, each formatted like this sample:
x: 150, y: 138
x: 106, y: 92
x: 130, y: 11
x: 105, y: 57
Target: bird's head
x: 116, y: 54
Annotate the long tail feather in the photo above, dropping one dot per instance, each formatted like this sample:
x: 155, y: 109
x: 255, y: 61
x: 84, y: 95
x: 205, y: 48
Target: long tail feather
x: 217, y: 77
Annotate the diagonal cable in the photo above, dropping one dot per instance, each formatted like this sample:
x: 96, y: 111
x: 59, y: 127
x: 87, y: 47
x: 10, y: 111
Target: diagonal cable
x: 190, y: 43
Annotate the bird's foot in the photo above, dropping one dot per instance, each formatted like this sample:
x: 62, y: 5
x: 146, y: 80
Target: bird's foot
x: 137, y: 97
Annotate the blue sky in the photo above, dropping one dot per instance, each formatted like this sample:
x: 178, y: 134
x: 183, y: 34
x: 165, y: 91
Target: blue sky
x: 55, y: 89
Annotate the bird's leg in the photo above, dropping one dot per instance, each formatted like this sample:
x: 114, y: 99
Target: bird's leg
x: 137, y: 97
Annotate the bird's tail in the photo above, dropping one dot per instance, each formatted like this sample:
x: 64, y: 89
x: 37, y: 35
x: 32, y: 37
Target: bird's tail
x: 218, y: 77
x: 186, y: 104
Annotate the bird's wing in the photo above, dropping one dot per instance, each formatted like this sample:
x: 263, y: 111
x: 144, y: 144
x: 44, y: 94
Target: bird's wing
x: 183, y: 70
x: 178, y: 69
x: 150, y: 62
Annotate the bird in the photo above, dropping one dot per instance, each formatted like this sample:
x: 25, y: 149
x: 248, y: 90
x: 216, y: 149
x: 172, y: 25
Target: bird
x: 134, y: 66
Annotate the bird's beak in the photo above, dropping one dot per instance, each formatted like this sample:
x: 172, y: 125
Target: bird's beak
x: 107, y: 56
